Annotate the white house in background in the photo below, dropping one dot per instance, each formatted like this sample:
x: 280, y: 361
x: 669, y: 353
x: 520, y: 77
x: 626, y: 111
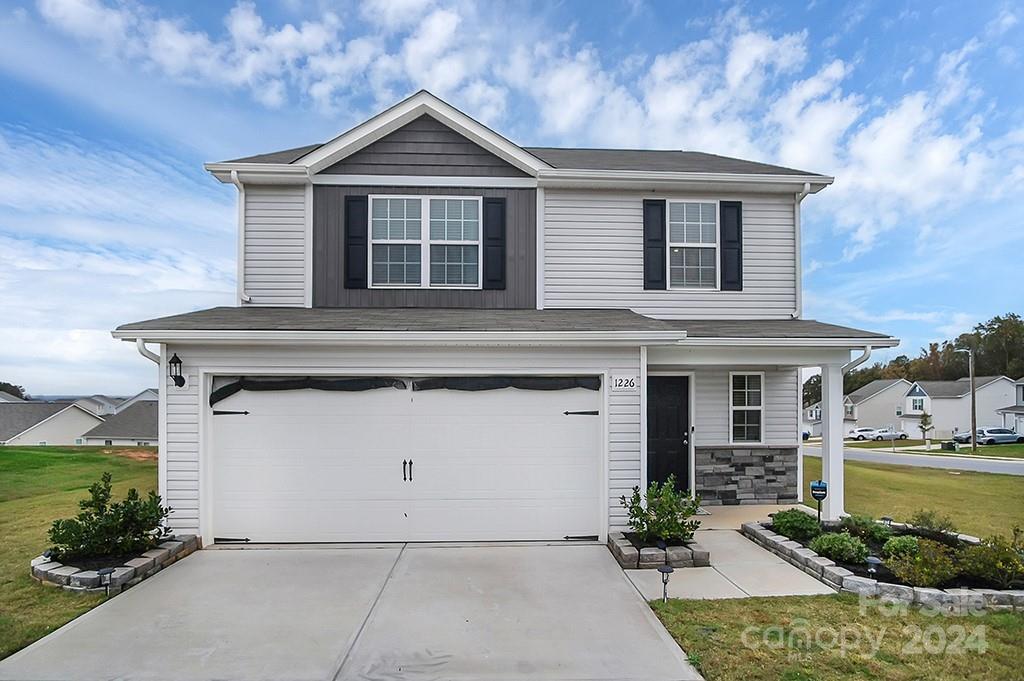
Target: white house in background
x: 101, y: 405
x: 949, y: 404
x: 44, y: 423
x: 147, y: 395
x: 874, y: 405
x: 7, y: 397
x: 441, y: 335
x: 1013, y: 414
x: 135, y: 426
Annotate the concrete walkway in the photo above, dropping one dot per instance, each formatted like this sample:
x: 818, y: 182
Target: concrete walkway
x: 739, y: 568
x: 393, y: 612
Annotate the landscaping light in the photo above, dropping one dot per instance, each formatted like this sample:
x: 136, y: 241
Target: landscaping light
x: 104, y: 574
x: 174, y: 370
x: 887, y: 520
x: 873, y: 563
x: 666, y: 571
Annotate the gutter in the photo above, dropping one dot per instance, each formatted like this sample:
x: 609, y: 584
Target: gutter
x: 407, y: 338
x: 865, y: 355
x: 792, y: 342
x: 140, y: 345
x: 240, y: 276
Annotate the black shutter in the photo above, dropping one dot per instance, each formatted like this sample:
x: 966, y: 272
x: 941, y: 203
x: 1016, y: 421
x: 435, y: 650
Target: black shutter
x: 731, y: 220
x: 494, y: 244
x: 355, y: 241
x: 654, y: 245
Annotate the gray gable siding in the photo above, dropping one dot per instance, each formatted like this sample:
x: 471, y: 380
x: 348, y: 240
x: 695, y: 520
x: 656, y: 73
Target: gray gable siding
x: 424, y: 147
x: 328, y: 251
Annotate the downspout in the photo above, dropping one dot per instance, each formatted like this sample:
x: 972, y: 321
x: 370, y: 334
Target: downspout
x: 865, y: 356
x: 800, y: 195
x: 242, y: 296
x: 140, y: 345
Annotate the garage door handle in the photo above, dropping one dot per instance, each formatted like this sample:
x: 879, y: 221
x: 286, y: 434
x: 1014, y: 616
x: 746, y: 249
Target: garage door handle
x: 404, y: 464
x: 410, y: 470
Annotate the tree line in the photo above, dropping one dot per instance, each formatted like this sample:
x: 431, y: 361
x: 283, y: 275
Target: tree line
x: 998, y: 346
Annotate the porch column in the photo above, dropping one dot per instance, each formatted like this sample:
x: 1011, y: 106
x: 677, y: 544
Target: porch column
x: 832, y: 440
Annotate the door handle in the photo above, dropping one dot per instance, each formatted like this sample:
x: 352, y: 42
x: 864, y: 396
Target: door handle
x: 410, y: 470
x: 404, y: 464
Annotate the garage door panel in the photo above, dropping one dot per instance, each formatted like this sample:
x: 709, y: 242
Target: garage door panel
x: 312, y: 465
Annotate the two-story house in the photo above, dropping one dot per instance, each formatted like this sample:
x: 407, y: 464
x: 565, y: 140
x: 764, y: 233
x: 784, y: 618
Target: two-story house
x: 948, y: 404
x: 1013, y: 414
x: 442, y: 335
x: 877, y: 404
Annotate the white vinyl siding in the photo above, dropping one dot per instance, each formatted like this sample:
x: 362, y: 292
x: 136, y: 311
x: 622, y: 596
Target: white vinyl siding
x: 274, y: 253
x: 593, y: 257
x: 181, y: 447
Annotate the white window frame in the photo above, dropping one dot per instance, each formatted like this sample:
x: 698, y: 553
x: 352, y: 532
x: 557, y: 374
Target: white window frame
x: 670, y: 244
x: 733, y: 409
x: 913, y: 404
x: 425, y: 242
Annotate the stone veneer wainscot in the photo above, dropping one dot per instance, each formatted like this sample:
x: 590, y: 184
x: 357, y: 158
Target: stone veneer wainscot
x: 746, y: 475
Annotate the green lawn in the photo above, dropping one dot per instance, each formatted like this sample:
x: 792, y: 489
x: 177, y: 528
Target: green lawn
x: 37, y: 486
x: 980, y: 503
x: 736, y: 640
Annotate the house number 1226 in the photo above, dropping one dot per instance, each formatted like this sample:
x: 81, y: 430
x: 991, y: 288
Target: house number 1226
x: 626, y: 384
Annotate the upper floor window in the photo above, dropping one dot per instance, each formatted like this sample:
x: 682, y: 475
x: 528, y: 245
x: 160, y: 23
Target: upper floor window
x: 693, y: 244
x: 917, y: 404
x: 444, y: 255
x: 746, y: 412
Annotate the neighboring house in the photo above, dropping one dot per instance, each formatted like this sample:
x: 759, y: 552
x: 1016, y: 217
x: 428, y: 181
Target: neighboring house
x: 135, y: 426
x: 949, y: 404
x: 441, y: 335
x: 147, y: 395
x: 101, y: 405
x: 874, y: 405
x: 7, y: 397
x: 1013, y: 414
x: 44, y: 423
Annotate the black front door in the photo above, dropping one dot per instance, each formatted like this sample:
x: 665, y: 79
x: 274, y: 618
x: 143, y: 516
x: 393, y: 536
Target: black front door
x: 668, y: 429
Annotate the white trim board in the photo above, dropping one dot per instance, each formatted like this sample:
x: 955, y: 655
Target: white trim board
x: 468, y: 182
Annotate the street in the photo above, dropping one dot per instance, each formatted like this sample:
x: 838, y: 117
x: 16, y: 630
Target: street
x: 927, y: 461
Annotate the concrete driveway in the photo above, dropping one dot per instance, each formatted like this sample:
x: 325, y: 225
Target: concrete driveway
x: 394, y: 612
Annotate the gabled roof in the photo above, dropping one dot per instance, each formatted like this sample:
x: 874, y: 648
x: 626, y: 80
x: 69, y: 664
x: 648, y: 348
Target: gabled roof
x: 149, y: 394
x: 18, y: 417
x: 556, y: 164
x: 137, y: 421
x: 957, y: 388
x: 869, y: 390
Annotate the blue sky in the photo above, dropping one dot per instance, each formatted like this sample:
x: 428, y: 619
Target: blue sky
x: 110, y: 108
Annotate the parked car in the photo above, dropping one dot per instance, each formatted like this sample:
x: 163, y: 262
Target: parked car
x: 991, y: 436
x: 890, y: 434
x: 862, y: 434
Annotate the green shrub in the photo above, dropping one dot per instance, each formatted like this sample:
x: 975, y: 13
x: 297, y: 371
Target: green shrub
x: 841, y: 547
x: 796, y: 525
x: 103, y: 528
x: 904, y: 545
x: 932, y: 565
x: 662, y: 513
x: 865, y: 527
x: 932, y: 523
x: 998, y: 560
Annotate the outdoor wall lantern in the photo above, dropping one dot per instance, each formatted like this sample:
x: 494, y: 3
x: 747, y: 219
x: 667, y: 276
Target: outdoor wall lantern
x: 174, y: 370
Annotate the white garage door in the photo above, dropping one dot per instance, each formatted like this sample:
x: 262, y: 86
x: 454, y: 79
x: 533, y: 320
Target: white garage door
x: 399, y: 465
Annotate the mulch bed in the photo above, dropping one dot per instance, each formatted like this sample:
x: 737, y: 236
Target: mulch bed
x: 637, y: 544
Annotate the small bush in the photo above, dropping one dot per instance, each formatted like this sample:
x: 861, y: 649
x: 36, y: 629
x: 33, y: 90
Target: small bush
x: 932, y: 523
x: 932, y: 565
x: 841, y: 547
x: 796, y: 525
x: 104, y: 529
x: 662, y: 513
x: 904, y: 545
x: 998, y: 560
x: 865, y: 527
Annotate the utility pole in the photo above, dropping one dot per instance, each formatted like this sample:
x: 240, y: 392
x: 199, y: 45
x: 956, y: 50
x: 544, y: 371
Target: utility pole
x: 974, y: 403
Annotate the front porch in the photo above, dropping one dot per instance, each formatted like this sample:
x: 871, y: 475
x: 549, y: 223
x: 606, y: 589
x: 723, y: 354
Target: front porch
x: 721, y: 410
